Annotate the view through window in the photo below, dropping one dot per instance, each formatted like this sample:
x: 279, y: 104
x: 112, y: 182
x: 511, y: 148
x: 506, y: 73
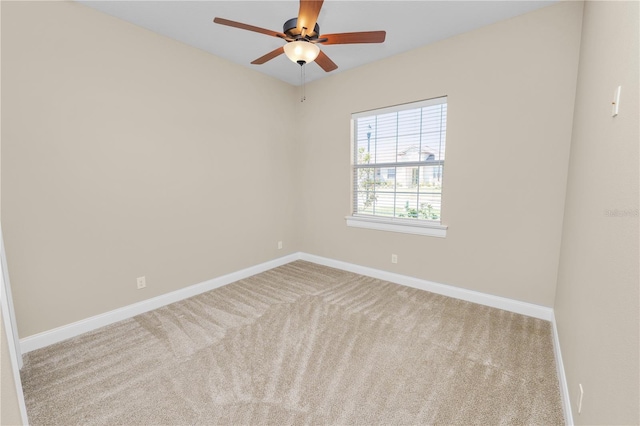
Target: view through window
x: 398, y: 161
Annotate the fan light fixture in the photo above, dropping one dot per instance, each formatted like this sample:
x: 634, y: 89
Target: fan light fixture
x: 301, y: 52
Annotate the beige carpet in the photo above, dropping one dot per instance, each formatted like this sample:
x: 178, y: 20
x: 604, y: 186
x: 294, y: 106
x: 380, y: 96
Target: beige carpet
x: 302, y: 344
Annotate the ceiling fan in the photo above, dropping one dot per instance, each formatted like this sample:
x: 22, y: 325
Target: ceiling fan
x: 303, y: 33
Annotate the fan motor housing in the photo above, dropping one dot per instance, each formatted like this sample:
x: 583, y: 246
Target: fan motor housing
x: 290, y: 29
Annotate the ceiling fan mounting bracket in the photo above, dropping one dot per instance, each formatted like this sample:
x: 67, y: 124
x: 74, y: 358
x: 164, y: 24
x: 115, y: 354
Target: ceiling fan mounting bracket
x: 290, y: 29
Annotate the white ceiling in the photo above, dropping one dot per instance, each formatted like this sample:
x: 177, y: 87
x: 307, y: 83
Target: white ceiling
x: 409, y: 24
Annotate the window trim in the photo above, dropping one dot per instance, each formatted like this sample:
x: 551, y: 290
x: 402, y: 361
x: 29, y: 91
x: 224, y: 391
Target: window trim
x: 400, y: 107
x: 393, y: 224
x: 406, y: 226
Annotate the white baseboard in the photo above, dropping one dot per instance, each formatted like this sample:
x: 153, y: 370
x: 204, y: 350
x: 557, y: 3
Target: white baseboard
x: 59, y: 334
x: 562, y: 378
x: 68, y: 331
x: 524, y: 308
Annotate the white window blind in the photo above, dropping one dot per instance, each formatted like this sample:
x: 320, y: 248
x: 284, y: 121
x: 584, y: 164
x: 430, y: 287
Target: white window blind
x: 398, y: 162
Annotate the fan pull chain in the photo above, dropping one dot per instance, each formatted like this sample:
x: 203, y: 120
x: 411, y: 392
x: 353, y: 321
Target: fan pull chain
x: 303, y: 82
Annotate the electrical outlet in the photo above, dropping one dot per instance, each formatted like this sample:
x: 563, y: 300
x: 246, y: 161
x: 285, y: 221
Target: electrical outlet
x: 142, y: 282
x: 580, y: 398
x: 279, y: 245
x: 394, y: 258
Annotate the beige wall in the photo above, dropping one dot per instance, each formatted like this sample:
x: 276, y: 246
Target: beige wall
x: 9, y: 408
x: 510, y: 89
x: 124, y: 154
x: 597, y: 298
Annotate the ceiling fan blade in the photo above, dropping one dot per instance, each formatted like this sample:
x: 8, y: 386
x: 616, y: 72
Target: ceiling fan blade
x: 269, y: 56
x: 248, y: 27
x: 325, y: 63
x: 352, y: 38
x: 308, y: 15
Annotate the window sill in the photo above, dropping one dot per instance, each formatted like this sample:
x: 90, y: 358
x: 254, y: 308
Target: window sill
x: 406, y: 226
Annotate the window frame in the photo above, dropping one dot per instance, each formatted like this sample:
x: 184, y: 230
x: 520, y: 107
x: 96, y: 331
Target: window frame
x: 433, y: 228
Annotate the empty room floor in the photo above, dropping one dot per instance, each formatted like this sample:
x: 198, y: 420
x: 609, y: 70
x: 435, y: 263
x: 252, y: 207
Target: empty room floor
x: 302, y: 344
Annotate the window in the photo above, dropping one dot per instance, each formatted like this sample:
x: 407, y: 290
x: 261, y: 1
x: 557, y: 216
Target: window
x: 398, y: 160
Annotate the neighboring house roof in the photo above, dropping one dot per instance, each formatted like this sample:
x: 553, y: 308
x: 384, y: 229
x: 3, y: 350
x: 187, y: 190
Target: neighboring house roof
x: 425, y: 151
